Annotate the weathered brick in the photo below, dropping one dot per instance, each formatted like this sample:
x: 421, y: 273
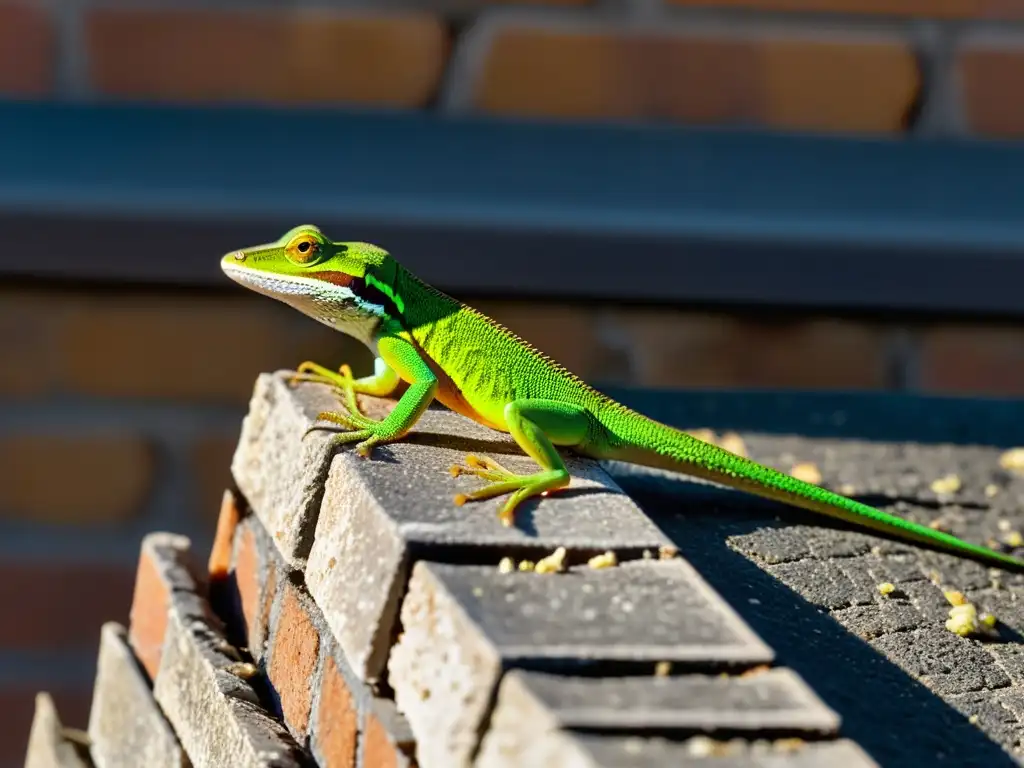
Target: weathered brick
x: 164, y: 567
x: 214, y: 711
x: 18, y: 702
x: 280, y: 472
x: 942, y: 9
x: 591, y: 750
x: 717, y: 350
x: 774, y: 700
x: 292, y: 56
x: 990, y: 65
x: 211, y: 472
x: 219, y: 563
x: 78, y: 598
x: 463, y: 626
x: 972, y: 359
x: 256, y: 579
x: 103, y: 478
x: 535, y: 715
x: 387, y: 740
x: 48, y: 744
x: 834, y: 81
x: 293, y: 659
x: 126, y: 726
x: 337, y: 720
x: 165, y: 336
x: 30, y: 327
x: 376, y: 517
x: 27, y: 49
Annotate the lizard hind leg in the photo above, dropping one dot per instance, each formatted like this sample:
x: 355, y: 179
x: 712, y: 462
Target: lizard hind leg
x: 537, y: 427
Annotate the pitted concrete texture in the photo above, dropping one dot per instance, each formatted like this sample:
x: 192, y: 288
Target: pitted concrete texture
x: 463, y: 625
x: 125, y: 723
x: 908, y: 690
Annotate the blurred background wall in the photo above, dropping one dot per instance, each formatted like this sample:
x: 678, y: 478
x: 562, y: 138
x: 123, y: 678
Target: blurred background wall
x: 121, y: 395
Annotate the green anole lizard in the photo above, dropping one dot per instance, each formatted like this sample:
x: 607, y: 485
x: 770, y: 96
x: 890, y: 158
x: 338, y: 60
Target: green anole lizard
x: 447, y: 351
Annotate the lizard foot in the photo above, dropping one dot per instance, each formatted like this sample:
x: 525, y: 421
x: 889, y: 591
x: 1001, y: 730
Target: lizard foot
x: 501, y: 481
x: 360, y: 428
x: 342, y: 382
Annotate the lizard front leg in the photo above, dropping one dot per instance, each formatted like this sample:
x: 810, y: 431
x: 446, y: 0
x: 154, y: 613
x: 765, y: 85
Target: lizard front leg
x: 383, y: 382
x: 537, y: 427
x: 402, y: 362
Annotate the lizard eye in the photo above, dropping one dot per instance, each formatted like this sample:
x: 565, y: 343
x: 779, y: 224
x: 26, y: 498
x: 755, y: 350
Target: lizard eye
x: 303, y: 249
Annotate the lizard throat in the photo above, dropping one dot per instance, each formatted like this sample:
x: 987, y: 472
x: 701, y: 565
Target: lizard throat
x: 328, y: 302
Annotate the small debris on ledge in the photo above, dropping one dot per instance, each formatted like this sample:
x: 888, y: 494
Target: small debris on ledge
x: 1013, y: 460
x: 553, y: 563
x: 605, y: 560
x: 947, y: 485
x: 733, y: 443
x: 807, y: 471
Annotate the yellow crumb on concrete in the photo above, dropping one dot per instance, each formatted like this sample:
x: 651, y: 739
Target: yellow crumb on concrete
x: 606, y: 560
x: 553, y: 563
x: 1013, y: 460
x: 807, y: 471
x: 733, y: 443
x: 948, y: 484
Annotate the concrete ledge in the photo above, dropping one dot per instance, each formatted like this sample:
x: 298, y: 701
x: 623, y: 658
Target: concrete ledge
x: 771, y: 701
x: 310, y: 684
x: 50, y: 745
x: 125, y: 723
x: 353, y: 527
x: 200, y: 684
x: 464, y: 625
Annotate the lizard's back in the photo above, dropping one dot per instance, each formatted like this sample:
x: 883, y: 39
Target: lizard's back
x: 480, y: 362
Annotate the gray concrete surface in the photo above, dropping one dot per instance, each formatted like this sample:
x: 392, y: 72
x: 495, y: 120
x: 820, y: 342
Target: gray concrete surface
x: 908, y: 690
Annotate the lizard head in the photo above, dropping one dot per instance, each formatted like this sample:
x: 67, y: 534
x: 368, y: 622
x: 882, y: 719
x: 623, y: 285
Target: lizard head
x: 343, y: 285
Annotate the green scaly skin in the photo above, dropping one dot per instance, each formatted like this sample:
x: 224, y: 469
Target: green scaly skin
x: 448, y: 351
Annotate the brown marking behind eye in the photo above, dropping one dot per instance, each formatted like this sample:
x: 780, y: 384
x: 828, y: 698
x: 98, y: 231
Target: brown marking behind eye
x: 340, y: 279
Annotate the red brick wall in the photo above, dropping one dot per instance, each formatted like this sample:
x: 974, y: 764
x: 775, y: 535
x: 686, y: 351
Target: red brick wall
x: 817, y: 65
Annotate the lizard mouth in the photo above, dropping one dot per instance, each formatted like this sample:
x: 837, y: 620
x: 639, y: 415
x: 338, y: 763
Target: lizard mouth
x: 274, y: 286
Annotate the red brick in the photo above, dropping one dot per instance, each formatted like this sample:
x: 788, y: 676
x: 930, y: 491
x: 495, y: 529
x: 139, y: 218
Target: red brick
x: 27, y: 49
x: 247, y: 575
x: 859, y: 83
x: 103, y: 478
x: 256, y: 582
x: 30, y: 324
x: 223, y: 541
x: 149, y: 615
x: 289, y: 55
x: 337, y: 720
x: 57, y: 606
x: 165, y: 335
x: 293, y: 656
x: 681, y: 349
x: 990, y: 69
x: 18, y: 705
x: 160, y: 570
x: 972, y: 359
x: 379, y: 749
x: 941, y: 9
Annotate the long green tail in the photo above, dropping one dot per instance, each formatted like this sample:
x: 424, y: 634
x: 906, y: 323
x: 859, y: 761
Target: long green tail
x: 650, y: 443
